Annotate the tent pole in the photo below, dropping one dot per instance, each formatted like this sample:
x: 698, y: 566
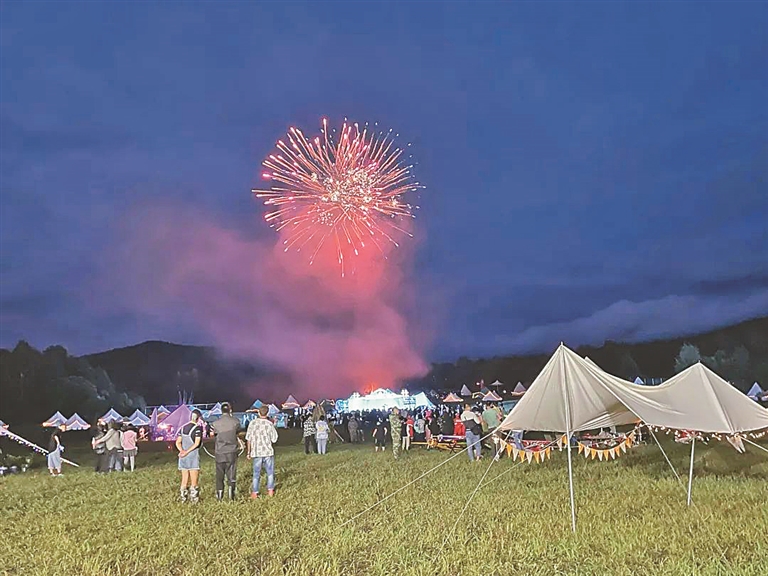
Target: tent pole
x: 690, y: 472
x: 570, y: 484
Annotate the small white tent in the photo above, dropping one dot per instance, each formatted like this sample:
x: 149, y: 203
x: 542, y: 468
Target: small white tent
x: 639, y: 381
x: 465, y: 391
x: 112, y: 415
x: 75, y: 422
x: 291, y: 403
x: 519, y: 388
x: 138, y: 418
x: 756, y: 392
x: 55, y: 421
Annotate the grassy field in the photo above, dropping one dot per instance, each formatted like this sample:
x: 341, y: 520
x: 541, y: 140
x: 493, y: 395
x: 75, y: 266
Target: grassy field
x: 632, y: 517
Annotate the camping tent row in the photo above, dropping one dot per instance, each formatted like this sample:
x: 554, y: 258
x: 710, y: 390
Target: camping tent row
x: 75, y: 422
x: 485, y: 394
x: 572, y: 394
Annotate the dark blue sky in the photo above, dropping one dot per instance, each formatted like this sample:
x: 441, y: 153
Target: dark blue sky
x: 593, y: 170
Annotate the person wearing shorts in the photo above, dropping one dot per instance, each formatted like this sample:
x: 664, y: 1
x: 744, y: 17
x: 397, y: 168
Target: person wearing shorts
x: 188, y: 442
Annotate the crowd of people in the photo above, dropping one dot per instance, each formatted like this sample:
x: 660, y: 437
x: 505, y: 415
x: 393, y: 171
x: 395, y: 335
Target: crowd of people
x: 115, y: 444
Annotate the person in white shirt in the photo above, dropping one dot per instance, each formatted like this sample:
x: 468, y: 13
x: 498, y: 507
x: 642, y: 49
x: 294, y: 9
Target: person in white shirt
x: 260, y: 436
x: 321, y: 434
x: 473, y: 432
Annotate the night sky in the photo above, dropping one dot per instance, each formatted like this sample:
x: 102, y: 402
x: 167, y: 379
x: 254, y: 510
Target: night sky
x: 593, y: 171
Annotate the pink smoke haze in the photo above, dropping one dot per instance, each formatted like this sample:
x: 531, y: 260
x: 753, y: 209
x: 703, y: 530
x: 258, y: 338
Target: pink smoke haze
x: 256, y: 301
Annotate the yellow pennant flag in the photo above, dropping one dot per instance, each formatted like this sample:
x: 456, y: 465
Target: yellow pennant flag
x: 581, y: 447
x: 522, y: 455
x: 529, y: 456
x: 593, y: 452
x: 548, y: 453
x: 537, y: 456
x: 509, y: 449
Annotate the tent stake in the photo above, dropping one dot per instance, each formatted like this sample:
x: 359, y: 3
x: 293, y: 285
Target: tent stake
x: 570, y: 484
x: 690, y: 472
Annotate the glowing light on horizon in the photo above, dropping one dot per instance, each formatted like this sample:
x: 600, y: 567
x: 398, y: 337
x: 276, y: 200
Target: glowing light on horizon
x: 349, y: 189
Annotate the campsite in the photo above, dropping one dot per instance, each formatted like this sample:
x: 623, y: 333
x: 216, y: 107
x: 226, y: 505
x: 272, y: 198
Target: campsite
x: 632, y: 515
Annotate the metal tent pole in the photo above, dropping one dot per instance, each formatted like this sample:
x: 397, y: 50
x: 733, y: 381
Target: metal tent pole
x: 570, y: 483
x: 690, y: 472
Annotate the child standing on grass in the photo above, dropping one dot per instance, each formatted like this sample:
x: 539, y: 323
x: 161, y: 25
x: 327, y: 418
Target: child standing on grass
x: 321, y: 434
x: 380, y: 435
x: 128, y: 440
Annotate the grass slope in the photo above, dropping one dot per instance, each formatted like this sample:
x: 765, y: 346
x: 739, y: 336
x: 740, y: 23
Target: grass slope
x: 631, y: 513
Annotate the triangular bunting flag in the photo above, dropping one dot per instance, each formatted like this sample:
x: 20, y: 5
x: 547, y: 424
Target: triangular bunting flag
x: 537, y: 457
x: 548, y: 453
x: 581, y: 447
x: 586, y: 452
x: 509, y: 448
x: 624, y: 446
x: 515, y: 450
x: 529, y: 456
x: 600, y: 455
x: 522, y: 455
x: 593, y: 453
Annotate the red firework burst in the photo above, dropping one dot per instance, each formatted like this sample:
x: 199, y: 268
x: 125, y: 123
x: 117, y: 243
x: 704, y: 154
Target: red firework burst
x: 348, y: 189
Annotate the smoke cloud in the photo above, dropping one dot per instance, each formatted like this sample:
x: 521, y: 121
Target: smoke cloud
x: 255, y: 301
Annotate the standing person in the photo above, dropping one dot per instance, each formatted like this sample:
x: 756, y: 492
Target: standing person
x: 111, y: 441
x: 380, y: 435
x: 352, y: 427
x: 309, y: 436
x: 491, y: 421
x: 128, y: 440
x: 395, y: 428
x: 226, y: 447
x: 419, y: 428
x: 188, y: 441
x: 102, y: 462
x: 473, y: 431
x: 433, y: 428
x: 322, y: 430
x: 260, y: 436
x: 54, y: 453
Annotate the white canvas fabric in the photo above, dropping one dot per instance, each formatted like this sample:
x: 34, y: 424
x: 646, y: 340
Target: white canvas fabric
x: 111, y: 416
x: 572, y: 394
x: 56, y: 420
x: 465, y: 391
x: 75, y: 422
x: 756, y: 391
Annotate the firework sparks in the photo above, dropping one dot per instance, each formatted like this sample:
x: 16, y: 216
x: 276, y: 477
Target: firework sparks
x: 348, y: 188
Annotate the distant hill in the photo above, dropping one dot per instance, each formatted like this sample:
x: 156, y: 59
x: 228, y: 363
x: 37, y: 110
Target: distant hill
x: 740, y: 351
x: 160, y: 371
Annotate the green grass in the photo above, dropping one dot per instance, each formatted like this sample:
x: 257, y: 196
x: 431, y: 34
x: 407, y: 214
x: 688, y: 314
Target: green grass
x: 632, y: 518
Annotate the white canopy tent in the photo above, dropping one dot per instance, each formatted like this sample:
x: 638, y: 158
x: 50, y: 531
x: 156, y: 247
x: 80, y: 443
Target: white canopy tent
x: 112, y: 415
x: 756, y: 392
x: 55, y: 421
x: 465, y: 391
x: 76, y: 422
x: 138, y: 418
x: 572, y: 394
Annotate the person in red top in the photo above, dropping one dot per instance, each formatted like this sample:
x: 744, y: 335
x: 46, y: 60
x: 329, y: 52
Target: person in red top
x: 458, y: 426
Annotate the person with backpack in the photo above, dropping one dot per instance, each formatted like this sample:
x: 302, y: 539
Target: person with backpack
x: 473, y: 432
x: 188, y: 441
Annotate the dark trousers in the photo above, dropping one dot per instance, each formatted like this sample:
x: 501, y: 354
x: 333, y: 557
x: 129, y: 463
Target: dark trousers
x: 102, y: 462
x: 226, y: 465
x: 309, y: 445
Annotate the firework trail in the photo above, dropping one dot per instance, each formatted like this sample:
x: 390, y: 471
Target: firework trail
x: 347, y: 188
